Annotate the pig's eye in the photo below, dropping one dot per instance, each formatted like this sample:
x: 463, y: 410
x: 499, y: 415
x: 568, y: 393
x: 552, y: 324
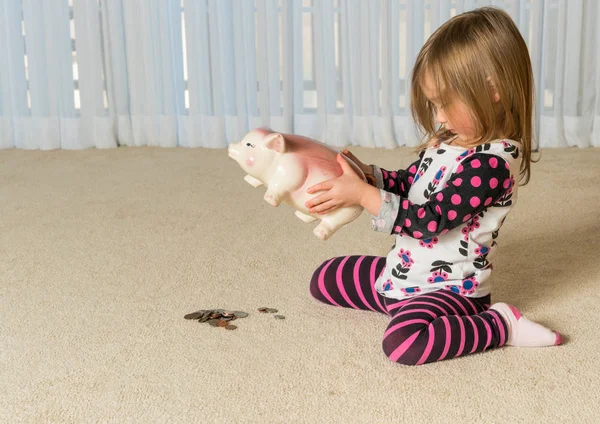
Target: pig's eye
x: 250, y: 145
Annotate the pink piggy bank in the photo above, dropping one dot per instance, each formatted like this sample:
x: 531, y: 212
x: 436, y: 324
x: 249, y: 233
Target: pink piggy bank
x: 287, y: 165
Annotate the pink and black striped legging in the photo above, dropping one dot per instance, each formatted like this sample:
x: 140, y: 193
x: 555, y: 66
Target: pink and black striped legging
x: 426, y: 328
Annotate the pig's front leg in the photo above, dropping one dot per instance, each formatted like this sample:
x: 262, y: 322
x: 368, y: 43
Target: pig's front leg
x: 253, y: 181
x: 274, y: 194
x: 287, y: 176
x: 333, y: 221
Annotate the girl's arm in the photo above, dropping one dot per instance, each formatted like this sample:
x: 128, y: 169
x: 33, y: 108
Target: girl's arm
x: 371, y: 200
x: 480, y: 182
x: 396, y: 182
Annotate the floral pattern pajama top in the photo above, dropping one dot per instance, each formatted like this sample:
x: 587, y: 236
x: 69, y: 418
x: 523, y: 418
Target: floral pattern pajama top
x: 446, y: 210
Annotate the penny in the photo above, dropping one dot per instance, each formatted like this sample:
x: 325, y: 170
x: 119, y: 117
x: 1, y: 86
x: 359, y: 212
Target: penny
x: 279, y: 317
x: 266, y: 310
x: 221, y: 317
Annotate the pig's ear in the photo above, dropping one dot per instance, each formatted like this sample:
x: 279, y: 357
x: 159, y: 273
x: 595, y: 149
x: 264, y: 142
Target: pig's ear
x: 275, y: 142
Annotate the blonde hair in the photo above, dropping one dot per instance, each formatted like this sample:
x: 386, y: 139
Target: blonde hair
x: 465, y: 57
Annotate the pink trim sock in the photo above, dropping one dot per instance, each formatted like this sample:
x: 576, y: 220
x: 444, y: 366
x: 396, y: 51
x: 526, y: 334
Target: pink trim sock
x: 523, y: 332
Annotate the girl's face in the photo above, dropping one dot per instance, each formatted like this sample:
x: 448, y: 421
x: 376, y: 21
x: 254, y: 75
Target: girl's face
x: 455, y: 115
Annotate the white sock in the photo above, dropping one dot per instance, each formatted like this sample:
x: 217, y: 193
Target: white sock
x: 523, y: 332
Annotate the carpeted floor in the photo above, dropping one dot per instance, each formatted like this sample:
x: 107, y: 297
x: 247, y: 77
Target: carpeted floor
x: 102, y: 253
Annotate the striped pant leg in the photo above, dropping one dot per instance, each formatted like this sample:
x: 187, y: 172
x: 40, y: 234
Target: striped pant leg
x: 441, y: 325
x: 349, y: 281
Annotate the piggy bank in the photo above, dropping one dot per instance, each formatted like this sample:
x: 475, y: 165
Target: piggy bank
x: 287, y: 165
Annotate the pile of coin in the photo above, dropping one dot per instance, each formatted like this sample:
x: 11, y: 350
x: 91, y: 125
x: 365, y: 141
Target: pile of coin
x: 217, y: 317
x: 265, y: 310
x: 222, y: 317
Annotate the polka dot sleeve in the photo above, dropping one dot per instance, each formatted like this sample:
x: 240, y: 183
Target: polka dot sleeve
x: 479, y: 182
x: 396, y: 182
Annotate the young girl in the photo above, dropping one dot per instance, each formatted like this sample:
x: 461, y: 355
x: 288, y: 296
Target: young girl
x: 472, y: 95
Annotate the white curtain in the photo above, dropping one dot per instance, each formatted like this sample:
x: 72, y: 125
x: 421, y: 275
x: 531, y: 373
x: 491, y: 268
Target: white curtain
x: 201, y: 73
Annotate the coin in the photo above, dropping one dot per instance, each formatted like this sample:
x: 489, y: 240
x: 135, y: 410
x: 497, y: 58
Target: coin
x: 279, y: 317
x: 194, y: 315
x: 230, y: 327
x: 266, y: 310
x: 217, y: 317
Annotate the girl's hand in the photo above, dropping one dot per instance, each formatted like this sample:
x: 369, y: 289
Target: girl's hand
x: 345, y: 190
x: 366, y: 169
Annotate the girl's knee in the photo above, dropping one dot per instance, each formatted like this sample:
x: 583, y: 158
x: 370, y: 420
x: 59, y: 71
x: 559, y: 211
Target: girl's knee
x: 394, y: 350
x: 315, y: 291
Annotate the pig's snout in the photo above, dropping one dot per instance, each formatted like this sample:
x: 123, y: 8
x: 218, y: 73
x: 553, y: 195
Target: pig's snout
x: 233, y: 151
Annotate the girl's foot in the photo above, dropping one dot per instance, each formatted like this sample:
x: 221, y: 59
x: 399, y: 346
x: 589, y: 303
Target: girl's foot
x: 523, y: 332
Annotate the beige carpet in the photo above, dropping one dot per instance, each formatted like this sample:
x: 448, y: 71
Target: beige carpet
x: 102, y: 253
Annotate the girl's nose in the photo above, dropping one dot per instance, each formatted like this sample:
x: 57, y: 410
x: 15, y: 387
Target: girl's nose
x: 440, y: 117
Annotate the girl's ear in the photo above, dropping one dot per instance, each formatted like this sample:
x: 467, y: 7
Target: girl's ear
x: 493, y: 91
